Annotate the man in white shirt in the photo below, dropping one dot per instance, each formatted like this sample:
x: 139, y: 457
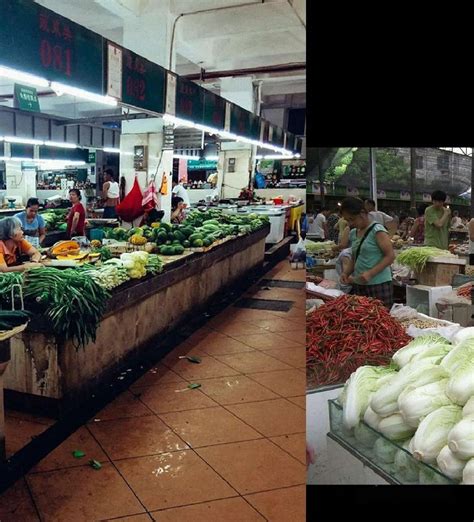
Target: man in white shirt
x: 317, y: 227
x: 377, y: 216
x: 181, y: 192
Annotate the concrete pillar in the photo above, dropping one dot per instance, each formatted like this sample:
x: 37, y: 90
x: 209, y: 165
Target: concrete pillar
x: 20, y: 182
x: 150, y: 37
x: 148, y: 133
x: 241, y: 92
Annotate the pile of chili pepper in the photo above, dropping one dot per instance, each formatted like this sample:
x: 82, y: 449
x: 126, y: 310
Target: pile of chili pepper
x: 346, y: 333
x: 464, y: 291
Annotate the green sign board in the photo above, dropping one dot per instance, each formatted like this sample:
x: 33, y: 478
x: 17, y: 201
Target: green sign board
x: 60, y: 153
x: 202, y: 165
x: 189, y: 101
x: 38, y: 41
x: 2, y: 149
x: 26, y: 98
x: 92, y: 156
x: 143, y: 83
x: 19, y: 150
x: 214, y: 110
x: 244, y: 123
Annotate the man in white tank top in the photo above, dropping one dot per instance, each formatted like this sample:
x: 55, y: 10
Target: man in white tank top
x: 110, y: 194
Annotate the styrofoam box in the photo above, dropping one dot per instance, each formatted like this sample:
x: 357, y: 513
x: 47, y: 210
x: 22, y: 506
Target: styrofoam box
x: 426, y: 295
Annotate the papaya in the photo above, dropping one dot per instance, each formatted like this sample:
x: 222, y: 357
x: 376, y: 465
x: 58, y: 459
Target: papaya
x: 64, y: 248
x: 178, y: 250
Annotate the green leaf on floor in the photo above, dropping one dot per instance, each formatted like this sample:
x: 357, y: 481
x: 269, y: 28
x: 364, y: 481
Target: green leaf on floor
x: 78, y: 454
x: 95, y: 464
x: 191, y: 358
x: 194, y: 385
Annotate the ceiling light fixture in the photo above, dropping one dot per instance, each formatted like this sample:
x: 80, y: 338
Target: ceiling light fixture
x: 30, y: 79
x: 60, y: 144
x: 60, y: 89
x: 23, y: 141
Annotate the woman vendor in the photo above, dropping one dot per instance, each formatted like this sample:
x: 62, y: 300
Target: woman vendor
x: 32, y: 223
x: 177, y: 209
x: 372, y: 254
x: 13, y: 247
x: 76, y: 219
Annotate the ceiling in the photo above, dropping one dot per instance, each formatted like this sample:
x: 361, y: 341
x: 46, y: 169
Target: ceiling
x: 215, y: 35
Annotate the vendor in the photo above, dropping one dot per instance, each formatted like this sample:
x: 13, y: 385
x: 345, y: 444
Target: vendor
x: 76, y: 218
x: 437, y: 221
x: 417, y: 231
x: 177, y: 210
x: 471, y: 241
x: 110, y: 195
x: 32, y: 223
x: 181, y: 192
x: 372, y: 254
x: 456, y: 221
x: 13, y: 247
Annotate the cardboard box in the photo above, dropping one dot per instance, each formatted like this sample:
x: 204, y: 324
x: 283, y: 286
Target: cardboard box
x: 439, y: 273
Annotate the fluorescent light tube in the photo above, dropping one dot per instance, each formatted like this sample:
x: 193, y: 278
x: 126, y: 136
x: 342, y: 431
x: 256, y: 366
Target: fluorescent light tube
x: 60, y: 89
x: 30, y: 79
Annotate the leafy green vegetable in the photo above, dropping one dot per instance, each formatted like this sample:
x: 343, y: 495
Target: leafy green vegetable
x: 416, y: 258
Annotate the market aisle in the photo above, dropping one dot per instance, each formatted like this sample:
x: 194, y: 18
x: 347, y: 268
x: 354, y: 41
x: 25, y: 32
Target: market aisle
x: 233, y: 449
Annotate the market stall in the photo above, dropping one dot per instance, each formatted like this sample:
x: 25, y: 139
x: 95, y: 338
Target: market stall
x: 397, y: 395
x: 115, y: 308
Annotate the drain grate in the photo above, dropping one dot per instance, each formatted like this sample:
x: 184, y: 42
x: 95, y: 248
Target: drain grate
x: 275, y: 305
x: 280, y: 283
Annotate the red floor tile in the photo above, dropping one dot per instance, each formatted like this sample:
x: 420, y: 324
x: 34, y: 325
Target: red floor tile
x: 235, y: 390
x: 231, y: 509
x: 158, y: 375
x: 281, y: 505
x: 173, y: 479
x: 209, y: 426
x: 124, y: 406
x: 238, y: 464
x: 83, y: 494
x: 293, y: 444
x: 271, y: 418
x: 62, y: 456
x: 137, y: 437
x: 173, y: 397
x: 252, y: 362
x: 287, y: 383
x: 208, y: 368
x: 294, y: 356
x: 16, y: 504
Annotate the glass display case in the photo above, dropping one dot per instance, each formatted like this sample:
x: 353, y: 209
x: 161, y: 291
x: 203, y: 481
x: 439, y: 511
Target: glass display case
x: 384, y: 456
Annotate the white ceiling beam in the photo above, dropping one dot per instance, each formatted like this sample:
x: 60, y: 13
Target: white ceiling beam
x: 121, y: 8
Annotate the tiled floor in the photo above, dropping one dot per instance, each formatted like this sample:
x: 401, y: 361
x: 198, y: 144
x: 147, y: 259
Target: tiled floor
x: 233, y: 449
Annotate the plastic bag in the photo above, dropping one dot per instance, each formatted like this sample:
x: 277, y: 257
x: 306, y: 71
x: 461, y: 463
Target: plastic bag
x: 131, y: 207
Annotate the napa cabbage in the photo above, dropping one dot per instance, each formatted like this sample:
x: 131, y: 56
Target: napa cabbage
x: 461, y: 438
x: 418, y: 346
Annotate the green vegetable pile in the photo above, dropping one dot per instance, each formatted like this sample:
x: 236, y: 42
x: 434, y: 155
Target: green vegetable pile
x: 154, y: 265
x: 71, y: 299
x: 105, y: 253
x: 55, y: 218
x: 417, y: 257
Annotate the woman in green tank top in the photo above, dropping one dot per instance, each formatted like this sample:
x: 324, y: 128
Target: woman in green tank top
x: 372, y: 254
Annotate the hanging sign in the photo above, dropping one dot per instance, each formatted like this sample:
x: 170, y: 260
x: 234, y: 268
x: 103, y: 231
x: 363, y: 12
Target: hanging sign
x: 426, y: 197
x: 381, y: 194
x: 114, y: 71
x: 26, y: 98
x: 244, y: 123
x: 143, y: 83
x: 214, y: 110
x: 405, y: 195
x: 60, y: 153
x: 189, y: 101
x: 38, y: 41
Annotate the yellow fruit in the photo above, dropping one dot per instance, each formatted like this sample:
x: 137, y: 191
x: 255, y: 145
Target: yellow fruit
x: 138, y: 240
x: 155, y: 225
x: 95, y: 243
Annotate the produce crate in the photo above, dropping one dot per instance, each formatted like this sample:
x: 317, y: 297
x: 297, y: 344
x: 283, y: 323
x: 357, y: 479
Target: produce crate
x: 361, y: 444
x: 440, y: 271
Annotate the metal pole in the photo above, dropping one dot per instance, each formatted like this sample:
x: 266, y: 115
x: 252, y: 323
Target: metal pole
x: 373, y: 176
x: 412, y: 180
